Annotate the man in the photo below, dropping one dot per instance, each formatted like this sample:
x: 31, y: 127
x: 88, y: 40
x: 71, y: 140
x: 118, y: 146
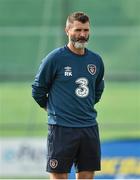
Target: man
x: 68, y: 85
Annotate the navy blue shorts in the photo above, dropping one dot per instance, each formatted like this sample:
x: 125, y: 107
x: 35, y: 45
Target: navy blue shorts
x: 67, y: 146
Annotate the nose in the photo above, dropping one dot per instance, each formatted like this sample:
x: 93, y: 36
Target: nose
x: 83, y: 34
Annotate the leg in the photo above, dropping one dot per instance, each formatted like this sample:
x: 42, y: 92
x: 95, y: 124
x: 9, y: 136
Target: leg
x: 58, y: 176
x: 88, y: 159
x: 61, y: 149
x: 85, y: 175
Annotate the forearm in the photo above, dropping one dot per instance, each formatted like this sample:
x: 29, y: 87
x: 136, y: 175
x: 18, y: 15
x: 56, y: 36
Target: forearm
x: 98, y: 96
x: 99, y: 91
x: 40, y: 96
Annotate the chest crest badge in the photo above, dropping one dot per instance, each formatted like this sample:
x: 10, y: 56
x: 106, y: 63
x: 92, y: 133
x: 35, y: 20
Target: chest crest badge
x: 91, y: 69
x: 67, y: 71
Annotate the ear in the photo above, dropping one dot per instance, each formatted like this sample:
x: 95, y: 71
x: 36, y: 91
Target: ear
x: 66, y: 31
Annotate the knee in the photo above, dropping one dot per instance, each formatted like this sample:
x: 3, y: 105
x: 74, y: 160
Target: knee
x: 58, y: 176
x: 85, y: 175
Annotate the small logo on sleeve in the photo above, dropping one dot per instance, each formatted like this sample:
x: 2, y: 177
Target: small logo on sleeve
x: 91, y: 69
x: 67, y: 71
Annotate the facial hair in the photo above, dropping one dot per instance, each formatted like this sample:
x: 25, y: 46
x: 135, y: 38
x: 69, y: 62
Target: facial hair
x: 77, y: 44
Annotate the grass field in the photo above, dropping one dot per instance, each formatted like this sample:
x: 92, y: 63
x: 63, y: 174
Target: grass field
x: 118, y: 112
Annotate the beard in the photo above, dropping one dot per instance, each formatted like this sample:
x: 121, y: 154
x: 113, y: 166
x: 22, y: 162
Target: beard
x: 79, y: 43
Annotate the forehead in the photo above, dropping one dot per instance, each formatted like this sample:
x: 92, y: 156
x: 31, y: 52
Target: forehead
x: 79, y: 25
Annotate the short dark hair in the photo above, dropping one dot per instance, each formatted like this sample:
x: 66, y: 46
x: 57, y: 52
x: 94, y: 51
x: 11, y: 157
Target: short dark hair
x: 77, y: 16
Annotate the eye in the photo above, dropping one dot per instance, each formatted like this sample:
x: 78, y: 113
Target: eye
x: 86, y: 30
x: 78, y: 30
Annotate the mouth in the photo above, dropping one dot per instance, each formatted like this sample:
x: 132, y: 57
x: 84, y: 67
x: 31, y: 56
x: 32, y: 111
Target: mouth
x: 81, y: 40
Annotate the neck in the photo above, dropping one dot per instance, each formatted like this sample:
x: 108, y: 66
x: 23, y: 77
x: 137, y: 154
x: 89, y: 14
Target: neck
x: 75, y: 50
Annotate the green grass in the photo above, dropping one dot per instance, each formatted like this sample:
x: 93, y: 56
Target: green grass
x: 18, y: 109
x: 118, y: 111
x: 120, y: 102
